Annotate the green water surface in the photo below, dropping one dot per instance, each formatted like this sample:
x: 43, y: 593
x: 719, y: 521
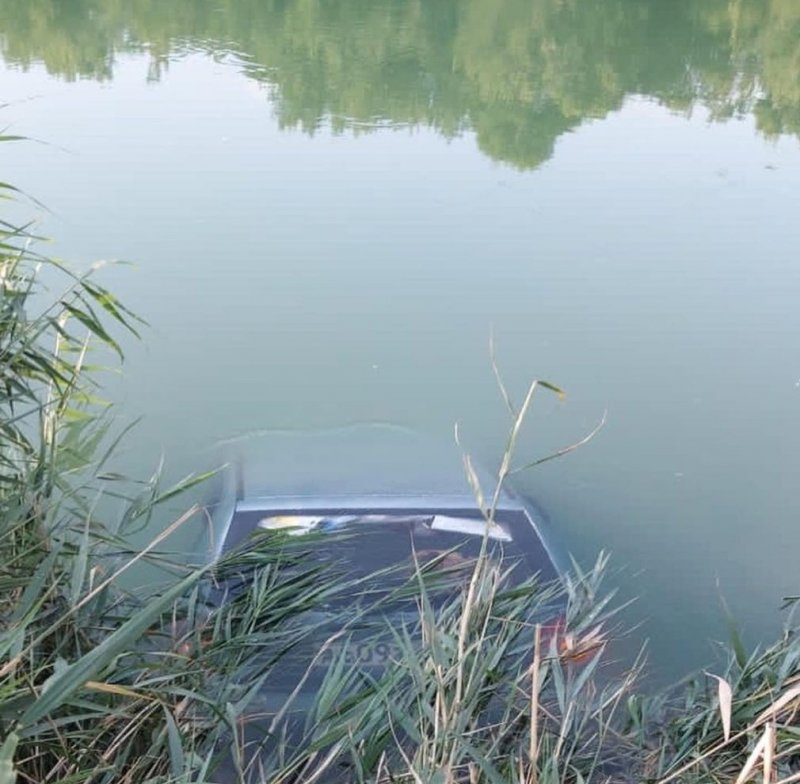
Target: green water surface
x: 331, y: 203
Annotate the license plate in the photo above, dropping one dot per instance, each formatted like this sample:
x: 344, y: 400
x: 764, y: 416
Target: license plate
x: 365, y: 653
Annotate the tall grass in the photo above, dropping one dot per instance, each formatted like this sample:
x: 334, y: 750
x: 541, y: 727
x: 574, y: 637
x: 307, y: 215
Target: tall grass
x: 97, y: 684
x: 482, y: 689
x: 739, y: 725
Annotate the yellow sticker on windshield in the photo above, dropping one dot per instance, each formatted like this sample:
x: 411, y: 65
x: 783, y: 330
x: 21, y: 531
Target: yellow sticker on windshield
x: 294, y: 525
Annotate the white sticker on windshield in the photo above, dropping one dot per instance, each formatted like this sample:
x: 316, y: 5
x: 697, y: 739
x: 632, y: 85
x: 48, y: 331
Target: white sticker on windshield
x: 469, y: 525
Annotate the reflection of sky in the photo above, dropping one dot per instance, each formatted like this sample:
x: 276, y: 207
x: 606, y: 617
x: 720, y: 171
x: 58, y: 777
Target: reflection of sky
x: 649, y: 267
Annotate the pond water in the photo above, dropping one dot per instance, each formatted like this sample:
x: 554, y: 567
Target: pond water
x: 330, y: 206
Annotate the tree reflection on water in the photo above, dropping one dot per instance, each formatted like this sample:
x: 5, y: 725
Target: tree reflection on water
x: 518, y: 73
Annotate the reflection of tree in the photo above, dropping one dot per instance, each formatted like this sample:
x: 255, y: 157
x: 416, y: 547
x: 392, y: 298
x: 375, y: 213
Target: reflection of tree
x: 518, y: 73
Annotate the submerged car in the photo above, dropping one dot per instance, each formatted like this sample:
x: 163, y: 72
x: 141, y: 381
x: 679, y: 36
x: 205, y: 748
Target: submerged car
x: 380, y: 506
x: 388, y: 502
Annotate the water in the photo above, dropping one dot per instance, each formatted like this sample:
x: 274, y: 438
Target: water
x: 331, y: 205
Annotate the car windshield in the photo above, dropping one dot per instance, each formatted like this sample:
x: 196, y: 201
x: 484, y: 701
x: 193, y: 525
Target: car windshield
x: 369, y: 542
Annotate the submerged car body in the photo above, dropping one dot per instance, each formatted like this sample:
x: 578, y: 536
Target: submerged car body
x: 394, y: 505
